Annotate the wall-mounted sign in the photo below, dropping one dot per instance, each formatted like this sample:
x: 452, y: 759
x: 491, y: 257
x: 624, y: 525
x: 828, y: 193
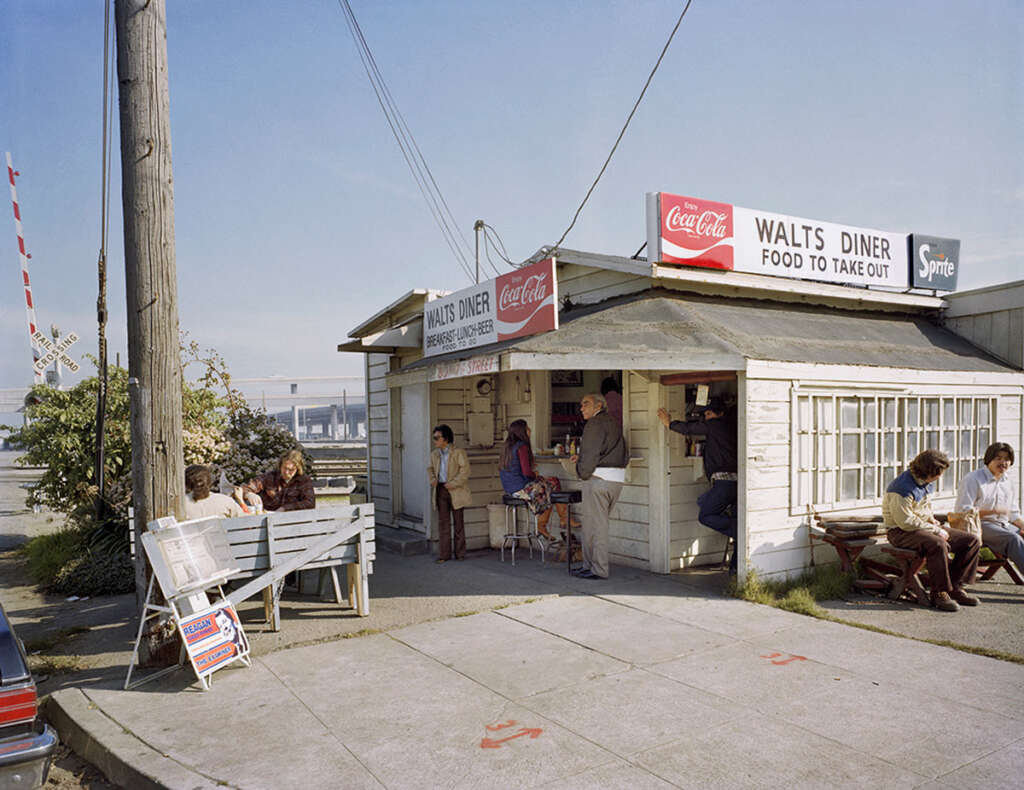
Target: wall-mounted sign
x: 457, y: 369
x: 517, y: 304
x: 697, y: 232
x: 934, y: 262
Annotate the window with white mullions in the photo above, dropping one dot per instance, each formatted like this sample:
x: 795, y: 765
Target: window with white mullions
x: 848, y: 447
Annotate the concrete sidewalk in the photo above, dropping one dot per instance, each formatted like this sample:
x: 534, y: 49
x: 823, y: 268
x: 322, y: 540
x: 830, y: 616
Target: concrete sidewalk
x: 641, y: 681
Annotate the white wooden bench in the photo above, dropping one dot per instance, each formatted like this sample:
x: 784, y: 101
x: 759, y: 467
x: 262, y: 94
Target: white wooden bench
x: 268, y: 541
x: 269, y: 546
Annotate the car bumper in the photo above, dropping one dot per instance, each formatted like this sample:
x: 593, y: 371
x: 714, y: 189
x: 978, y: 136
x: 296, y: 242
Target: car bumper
x: 25, y: 760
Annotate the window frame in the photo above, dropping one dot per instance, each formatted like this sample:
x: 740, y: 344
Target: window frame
x: 828, y: 426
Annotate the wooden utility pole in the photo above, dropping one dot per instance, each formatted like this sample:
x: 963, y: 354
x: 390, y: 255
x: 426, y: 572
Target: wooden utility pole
x: 147, y: 194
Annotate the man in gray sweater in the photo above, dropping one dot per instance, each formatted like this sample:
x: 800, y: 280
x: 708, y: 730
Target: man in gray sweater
x: 601, y: 465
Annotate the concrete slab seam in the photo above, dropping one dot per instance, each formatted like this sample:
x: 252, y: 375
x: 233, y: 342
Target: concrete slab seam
x: 509, y: 700
x: 979, y: 759
x: 323, y: 724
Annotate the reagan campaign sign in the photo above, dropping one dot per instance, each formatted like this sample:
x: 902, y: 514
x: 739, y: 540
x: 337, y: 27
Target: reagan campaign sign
x: 697, y: 232
x: 517, y: 304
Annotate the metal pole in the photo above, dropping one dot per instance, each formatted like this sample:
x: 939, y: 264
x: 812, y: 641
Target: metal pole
x: 477, y: 227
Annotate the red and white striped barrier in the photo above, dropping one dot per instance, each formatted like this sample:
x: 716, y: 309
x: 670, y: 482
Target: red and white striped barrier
x: 30, y: 310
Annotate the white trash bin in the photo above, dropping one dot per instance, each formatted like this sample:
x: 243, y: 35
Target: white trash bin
x: 496, y: 524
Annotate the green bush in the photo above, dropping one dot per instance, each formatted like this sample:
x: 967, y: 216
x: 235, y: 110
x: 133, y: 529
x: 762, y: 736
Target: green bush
x: 218, y: 428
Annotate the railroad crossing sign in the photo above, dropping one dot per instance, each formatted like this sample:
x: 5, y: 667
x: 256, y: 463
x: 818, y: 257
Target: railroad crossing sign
x: 55, y: 352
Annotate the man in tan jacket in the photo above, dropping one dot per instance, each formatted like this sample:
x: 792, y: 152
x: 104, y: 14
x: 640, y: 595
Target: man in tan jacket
x: 449, y: 478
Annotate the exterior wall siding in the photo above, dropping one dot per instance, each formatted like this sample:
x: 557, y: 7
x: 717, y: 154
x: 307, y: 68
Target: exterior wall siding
x: 378, y: 433
x: 778, y: 539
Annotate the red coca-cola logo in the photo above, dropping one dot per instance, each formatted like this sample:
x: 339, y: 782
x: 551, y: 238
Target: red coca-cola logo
x: 699, y: 223
x: 531, y: 291
x: 526, y: 301
x: 696, y: 232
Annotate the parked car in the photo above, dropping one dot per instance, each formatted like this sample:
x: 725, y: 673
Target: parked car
x: 26, y: 742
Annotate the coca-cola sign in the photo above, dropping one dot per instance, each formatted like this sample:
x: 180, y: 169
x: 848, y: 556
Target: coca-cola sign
x: 696, y: 232
x: 521, y: 303
x: 526, y: 301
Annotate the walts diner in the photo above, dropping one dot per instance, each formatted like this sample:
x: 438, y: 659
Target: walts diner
x: 844, y: 350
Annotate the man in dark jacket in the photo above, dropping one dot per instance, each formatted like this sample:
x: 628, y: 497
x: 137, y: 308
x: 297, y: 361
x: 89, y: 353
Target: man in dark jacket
x: 717, y: 504
x: 601, y: 465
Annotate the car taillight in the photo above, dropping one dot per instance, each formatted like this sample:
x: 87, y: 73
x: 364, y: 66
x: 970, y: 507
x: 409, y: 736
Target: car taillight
x: 18, y: 704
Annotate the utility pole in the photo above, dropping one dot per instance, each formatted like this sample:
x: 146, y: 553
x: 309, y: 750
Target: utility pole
x: 147, y: 195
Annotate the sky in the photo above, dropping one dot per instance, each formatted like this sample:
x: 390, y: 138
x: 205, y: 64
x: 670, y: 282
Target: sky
x: 296, y: 217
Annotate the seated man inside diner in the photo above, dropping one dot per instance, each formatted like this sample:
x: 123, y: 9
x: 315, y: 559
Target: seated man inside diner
x: 519, y: 478
x: 990, y: 490
x: 907, y: 512
x: 200, y: 501
x: 287, y: 487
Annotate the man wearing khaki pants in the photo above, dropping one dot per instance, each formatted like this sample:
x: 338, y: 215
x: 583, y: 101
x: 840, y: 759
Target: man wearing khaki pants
x: 601, y: 465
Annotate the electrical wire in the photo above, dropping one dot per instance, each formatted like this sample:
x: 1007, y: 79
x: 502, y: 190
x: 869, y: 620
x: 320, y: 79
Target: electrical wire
x: 624, y: 127
x: 504, y: 253
x: 411, y: 152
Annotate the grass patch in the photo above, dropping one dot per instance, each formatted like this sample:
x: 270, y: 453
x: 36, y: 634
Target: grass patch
x: 466, y: 614
x: 44, y: 666
x: 49, y: 641
x: 799, y: 594
x: 47, y: 554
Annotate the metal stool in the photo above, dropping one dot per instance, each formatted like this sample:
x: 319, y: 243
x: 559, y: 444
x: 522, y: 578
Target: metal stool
x: 567, y: 498
x: 512, y: 536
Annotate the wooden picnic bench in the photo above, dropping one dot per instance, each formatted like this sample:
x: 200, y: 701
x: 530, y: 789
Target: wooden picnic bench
x: 268, y: 546
x: 899, y: 575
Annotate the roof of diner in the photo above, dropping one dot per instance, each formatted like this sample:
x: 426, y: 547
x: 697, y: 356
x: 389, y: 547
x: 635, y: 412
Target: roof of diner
x: 661, y: 329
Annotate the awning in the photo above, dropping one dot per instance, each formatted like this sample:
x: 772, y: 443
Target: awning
x: 663, y: 330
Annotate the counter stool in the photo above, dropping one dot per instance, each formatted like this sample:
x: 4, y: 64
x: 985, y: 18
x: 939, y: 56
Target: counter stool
x: 512, y: 536
x: 567, y: 498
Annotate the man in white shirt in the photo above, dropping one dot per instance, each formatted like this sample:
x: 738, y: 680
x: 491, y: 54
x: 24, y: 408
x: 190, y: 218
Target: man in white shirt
x: 990, y: 490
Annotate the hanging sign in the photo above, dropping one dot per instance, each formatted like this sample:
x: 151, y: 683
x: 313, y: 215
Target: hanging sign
x: 697, y: 232
x: 934, y: 262
x: 517, y: 304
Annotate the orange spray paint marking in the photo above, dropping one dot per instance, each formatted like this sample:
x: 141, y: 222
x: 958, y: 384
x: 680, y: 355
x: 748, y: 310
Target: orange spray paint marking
x: 496, y: 727
x: 791, y: 658
x: 533, y: 732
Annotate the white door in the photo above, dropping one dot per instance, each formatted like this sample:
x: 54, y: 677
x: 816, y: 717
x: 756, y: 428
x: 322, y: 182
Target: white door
x: 415, y: 450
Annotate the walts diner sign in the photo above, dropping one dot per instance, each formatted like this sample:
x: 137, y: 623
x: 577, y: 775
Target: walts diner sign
x: 517, y: 304
x: 698, y: 232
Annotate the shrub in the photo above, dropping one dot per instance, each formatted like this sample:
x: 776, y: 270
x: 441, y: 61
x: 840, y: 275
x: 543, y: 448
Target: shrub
x: 218, y: 428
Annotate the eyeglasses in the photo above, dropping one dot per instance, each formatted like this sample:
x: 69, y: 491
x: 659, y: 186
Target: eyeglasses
x: 437, y: 436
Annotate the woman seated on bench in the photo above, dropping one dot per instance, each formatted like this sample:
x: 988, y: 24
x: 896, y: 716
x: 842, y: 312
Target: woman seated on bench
x: 519, y: 478
x: 907, y: 512
x: 990, y: 490
x: 286, y: 488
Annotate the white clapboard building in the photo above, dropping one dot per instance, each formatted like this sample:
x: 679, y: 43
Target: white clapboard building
x: 835, y: 387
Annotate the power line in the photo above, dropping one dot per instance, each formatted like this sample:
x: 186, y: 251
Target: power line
x: 411, y: 152
x: 624, y: 127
